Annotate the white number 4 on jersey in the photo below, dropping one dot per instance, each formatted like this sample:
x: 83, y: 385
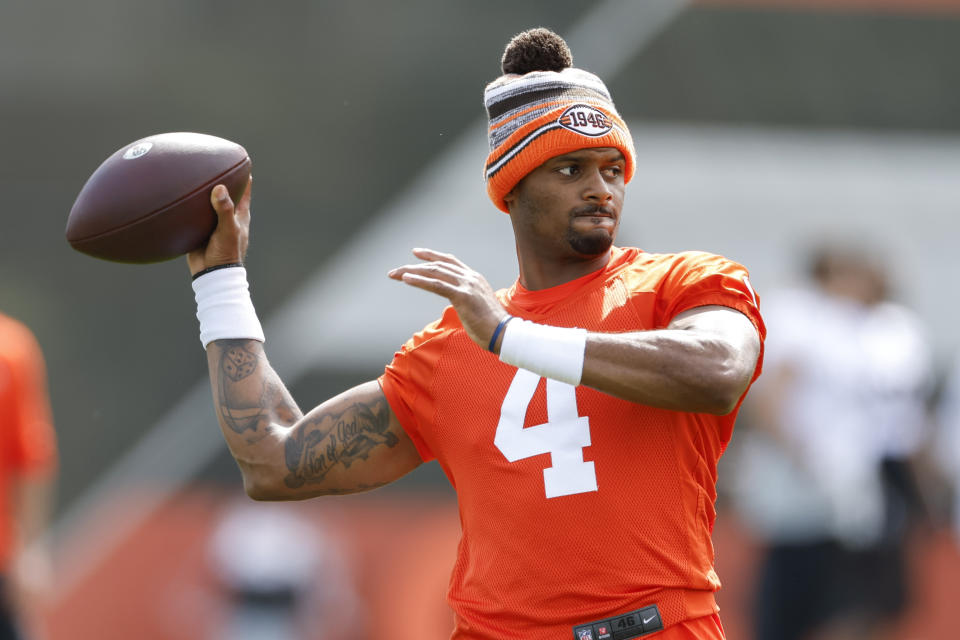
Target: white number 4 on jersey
x: 563, y: 435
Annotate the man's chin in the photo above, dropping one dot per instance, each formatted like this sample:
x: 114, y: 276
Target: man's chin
x: 592, y: 244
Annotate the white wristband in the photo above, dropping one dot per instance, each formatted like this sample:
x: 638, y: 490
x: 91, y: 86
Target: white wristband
x: 224, y: 308
x: 552, y: 352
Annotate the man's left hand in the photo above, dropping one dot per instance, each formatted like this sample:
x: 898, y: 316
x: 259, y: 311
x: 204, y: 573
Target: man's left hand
x: 469, y: 292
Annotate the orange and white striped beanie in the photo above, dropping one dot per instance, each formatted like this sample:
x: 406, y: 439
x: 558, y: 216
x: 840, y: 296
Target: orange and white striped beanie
x: 544, y: 107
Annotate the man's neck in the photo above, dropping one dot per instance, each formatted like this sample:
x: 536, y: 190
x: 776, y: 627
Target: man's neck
x: 538, y: 274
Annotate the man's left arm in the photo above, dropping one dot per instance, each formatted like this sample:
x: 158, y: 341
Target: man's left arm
x: 702, y: 362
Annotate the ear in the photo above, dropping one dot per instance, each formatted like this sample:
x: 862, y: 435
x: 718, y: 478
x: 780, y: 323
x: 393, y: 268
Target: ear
x: 511, y: 195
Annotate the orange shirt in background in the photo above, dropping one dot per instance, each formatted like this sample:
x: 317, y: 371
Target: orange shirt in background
x: 27, y: 441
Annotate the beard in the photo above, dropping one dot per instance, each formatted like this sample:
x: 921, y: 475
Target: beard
x: 589, y: 243
x: 593, y: 243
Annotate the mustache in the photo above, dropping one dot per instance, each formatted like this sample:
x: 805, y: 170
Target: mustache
x: 593, y: 210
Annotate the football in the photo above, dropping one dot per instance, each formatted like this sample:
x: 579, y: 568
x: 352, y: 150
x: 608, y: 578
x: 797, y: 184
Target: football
x: 150, y: 200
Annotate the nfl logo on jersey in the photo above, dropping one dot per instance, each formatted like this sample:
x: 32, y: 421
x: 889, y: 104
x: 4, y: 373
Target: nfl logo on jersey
x: 584, y: 634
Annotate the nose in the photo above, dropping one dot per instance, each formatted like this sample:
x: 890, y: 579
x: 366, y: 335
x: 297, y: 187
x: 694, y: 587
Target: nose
x: 596, y: 188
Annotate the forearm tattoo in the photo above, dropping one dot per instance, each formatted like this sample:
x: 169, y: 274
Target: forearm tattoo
x: 248, y: 402
x: 321, y: 443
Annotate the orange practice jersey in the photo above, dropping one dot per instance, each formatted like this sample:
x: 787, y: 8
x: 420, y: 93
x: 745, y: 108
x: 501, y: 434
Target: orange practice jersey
x: 27, y: 444
x: 574, y: 505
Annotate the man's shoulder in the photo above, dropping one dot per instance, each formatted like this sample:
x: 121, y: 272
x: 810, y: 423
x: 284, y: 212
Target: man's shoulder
x: 662, y: 266
x: 694, y: 259
x: 638, y: 256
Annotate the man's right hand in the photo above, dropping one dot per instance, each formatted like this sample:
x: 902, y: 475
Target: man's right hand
x: 229, y: 240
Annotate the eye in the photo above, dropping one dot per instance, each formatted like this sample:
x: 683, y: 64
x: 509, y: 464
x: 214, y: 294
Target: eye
x: 569, y: 170
x: 614, y: 171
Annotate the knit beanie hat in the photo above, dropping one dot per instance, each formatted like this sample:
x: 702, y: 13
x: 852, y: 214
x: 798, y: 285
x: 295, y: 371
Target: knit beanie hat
x: 543, y: 107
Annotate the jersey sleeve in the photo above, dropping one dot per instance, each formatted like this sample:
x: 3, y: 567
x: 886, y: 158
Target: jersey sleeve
x: 31, y: 441
x: 407, y: 382
x: 701, y: 279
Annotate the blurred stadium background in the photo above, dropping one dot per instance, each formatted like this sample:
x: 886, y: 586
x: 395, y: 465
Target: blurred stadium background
x: 761, y: 127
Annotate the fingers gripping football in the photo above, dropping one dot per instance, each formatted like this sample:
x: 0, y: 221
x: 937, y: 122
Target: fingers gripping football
x: 467, y: 290
x: 229, y: 240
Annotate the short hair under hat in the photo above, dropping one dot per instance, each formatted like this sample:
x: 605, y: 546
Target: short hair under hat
x: 543, y: 107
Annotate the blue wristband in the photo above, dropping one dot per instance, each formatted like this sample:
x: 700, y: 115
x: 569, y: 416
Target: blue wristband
x: 496, y: 332
x: 215, y: 268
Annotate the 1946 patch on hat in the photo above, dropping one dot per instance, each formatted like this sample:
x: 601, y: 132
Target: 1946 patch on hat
x: 585, y: 120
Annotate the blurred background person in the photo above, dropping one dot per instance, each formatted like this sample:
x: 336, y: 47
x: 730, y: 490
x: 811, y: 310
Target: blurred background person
x: 27, y: 473
x: 824, y: 477
x: 283, y: 577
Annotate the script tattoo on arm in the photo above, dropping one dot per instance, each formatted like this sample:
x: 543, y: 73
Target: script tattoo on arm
x: 323, y: 441
x: 349, y: 443
x: 248, y: 402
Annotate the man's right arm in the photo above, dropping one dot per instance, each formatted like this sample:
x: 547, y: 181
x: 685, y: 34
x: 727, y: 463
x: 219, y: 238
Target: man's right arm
x: 350, y: 443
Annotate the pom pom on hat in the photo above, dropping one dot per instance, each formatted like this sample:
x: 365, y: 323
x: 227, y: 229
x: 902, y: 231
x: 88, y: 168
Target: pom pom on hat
x: 536, y: 50
x: 544, y: 107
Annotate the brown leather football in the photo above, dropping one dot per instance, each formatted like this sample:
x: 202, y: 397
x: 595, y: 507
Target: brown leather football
x: 150, y: 201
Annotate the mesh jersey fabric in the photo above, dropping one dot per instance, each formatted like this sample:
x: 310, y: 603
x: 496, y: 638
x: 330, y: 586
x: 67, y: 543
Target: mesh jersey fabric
x: 529, y: 566
x: 27, y: 441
